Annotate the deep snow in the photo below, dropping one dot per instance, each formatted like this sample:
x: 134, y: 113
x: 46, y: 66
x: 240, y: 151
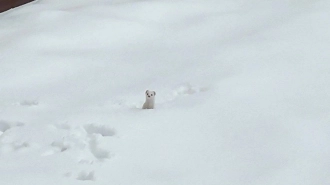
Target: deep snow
x: 242, y: 92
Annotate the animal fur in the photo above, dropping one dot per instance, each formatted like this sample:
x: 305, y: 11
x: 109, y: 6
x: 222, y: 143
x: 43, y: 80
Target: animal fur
x: 150, y: 100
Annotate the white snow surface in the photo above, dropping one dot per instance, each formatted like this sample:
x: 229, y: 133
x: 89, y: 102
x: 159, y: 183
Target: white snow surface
x: 243, y: 94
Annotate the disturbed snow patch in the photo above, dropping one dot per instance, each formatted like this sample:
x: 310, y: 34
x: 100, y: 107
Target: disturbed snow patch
x: 29, y: 103
x: 6, y: 125
x: 98, y: 152
x: 188, y: 89
x: 84, y: 176
x: 99, y: 129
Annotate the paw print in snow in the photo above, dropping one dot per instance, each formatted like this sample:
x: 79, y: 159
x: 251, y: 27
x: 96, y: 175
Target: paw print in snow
x: 99, y: 129
x: 84, y: 176
x: 188, y: 89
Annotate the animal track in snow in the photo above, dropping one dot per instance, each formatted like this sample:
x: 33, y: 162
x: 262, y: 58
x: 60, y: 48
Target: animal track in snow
x: 64, y: 126
x: 181, y: 90
x: 99, y: 129
x: 13, y: 146
x: 84, y: 176
x: 98, y: 153
x: 28, y: 103
x: 18, y: 146
x: 94, y: 130
x: 85, y: 142
x: 5, y: 125
x: 188, y: 89
x: 57, y: 146
x: 8, y: 143
x: 68, y: 138
x: 61, y: 145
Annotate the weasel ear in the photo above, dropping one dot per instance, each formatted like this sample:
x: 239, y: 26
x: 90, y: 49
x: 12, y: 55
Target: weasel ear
x: 154, y: 93
x: 147, y: 91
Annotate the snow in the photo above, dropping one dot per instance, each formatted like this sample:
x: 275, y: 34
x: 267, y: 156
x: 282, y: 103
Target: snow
x: 242, y: 92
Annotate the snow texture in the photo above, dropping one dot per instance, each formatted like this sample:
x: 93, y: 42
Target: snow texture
x: 242, y: 88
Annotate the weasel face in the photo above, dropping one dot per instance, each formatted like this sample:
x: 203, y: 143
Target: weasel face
x: 150, y: 100
x: 150, y: 94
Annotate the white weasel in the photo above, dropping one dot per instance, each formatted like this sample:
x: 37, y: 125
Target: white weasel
x: 150, y: 100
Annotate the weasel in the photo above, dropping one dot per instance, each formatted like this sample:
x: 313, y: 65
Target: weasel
x: 150, y: 100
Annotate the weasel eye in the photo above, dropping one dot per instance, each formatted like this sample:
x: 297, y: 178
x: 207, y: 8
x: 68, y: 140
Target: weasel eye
x: 151, y: 95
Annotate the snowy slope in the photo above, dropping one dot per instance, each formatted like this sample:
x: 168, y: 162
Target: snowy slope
x: 242, y: 92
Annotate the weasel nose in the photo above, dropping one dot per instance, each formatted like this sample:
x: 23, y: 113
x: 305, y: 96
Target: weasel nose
x: 149, y: 96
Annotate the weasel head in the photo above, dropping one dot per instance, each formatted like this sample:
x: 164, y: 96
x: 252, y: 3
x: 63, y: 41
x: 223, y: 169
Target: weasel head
x: 150, y: 94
